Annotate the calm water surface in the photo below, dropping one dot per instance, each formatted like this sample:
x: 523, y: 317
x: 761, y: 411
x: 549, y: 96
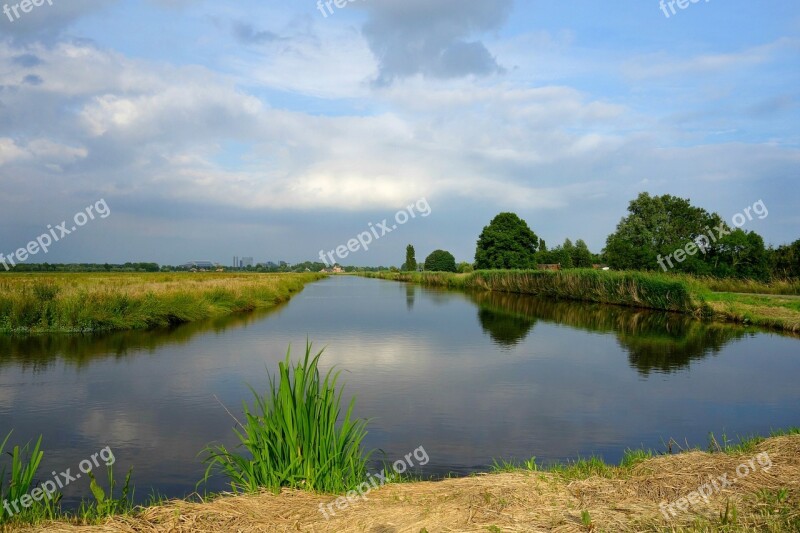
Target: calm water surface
x: 471, y: 377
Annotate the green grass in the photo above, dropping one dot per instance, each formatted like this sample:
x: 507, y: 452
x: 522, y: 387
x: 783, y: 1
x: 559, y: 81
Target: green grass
x: 745, y: 444
x: 80, y: 303
x: 584, y: 468
x: 292, y: 436
x: 785, y: 286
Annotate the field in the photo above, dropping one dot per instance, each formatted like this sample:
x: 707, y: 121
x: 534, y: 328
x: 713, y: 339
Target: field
x: 81, y: 303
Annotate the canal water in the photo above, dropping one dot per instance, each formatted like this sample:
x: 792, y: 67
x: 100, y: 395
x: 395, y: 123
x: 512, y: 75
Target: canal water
x: 468, y: 377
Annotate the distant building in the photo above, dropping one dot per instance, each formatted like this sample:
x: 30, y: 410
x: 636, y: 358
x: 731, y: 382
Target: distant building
x: 556, y: 266
x: 200, y: 265
x: 247, y: 262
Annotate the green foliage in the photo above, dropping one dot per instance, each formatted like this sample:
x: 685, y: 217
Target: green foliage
x: 291, y: 437
x: 464, y: 268
x: 440, y: 261
x: 506, y: 243
x: 25, y: 463
x: 785, y: 261
x: 106, y: 505
x: 663, y: 232
x: 411, y: 259
x: 586, y: 520
x: 659, y: 225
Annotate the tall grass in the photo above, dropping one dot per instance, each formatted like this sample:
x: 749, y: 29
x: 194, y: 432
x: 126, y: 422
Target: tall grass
x: 25, y: 463
x: 778, y: 286
x: 292, y: 436
x: 634, y: 289
x: 49, y: 303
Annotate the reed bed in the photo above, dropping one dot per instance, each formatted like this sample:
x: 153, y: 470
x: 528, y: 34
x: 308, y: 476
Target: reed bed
x: 81, y: 303
x: 633, y: 289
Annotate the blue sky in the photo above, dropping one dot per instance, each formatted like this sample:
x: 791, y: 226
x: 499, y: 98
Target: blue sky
x: 266, y: 129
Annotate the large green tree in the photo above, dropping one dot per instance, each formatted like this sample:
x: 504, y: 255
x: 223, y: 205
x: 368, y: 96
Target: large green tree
x: 440, y: 261
x: 411, y: 259
x: 507, y: 242
x: 658, y: 226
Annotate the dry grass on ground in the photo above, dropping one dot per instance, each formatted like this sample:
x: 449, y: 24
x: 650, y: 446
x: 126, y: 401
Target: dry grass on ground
x: 521, y: 501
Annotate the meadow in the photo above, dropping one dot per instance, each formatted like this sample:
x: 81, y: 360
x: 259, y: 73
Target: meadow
x: 93, y: 302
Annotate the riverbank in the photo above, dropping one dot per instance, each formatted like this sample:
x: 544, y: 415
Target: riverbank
x: 84, y: 303
x: 587, y: 496
x: 663, y: 292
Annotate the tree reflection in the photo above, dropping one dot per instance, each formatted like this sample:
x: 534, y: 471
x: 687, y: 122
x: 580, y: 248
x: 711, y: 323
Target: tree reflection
x: 655, y: 341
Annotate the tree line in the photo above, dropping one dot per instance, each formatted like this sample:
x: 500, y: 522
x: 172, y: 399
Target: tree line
x: 658, y: 233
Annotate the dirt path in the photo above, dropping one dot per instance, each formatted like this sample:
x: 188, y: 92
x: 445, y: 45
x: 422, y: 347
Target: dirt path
x: 524, y: 501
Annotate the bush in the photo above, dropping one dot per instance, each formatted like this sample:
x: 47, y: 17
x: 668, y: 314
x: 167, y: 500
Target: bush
x: 465, y: 268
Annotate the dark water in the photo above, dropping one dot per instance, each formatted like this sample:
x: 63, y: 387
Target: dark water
x: 468, y: 377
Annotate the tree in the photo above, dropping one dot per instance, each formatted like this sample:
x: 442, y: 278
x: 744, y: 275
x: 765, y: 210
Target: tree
x: 507, y: 242
x: 742, y: 254
x: 785, y: 261
x: 658, y: 226
x: 411, y: 259
x: 440, y: 261
x: 464, y: 268
x: 581, y: 256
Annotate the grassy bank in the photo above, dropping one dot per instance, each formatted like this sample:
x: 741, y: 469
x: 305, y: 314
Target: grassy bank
x: 582, y: 496
x: 72, y: 303
x: 633, y: 289
x: 664, y: 292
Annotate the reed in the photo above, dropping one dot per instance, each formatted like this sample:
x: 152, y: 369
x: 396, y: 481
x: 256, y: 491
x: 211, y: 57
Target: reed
x: 80, y: 303
x: 634, y: 289
x: 292, y: 436
x: 25, y: 463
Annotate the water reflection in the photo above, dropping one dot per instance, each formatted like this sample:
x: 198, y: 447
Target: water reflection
x: 654, y: 341
x: 471, y: 377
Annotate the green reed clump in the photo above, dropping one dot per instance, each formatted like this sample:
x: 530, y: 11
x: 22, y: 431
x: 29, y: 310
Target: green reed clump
x: 24, y: 465
x: 292, y: 435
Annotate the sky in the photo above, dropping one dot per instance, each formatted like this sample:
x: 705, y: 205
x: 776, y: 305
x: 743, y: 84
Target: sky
x: 277, y: 130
